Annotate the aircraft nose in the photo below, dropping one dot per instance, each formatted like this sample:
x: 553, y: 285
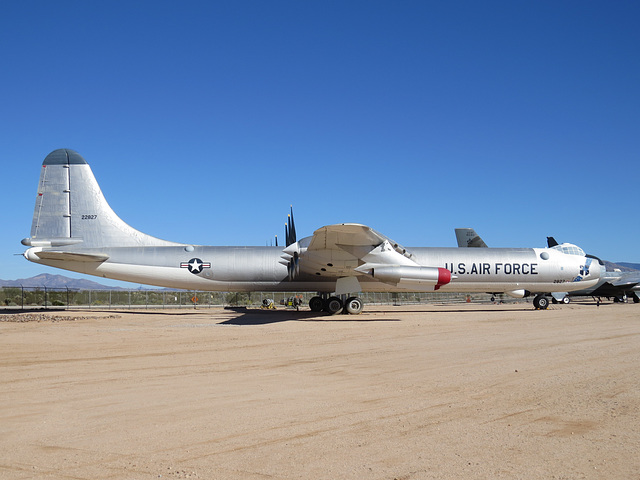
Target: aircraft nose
x: 589, y: 269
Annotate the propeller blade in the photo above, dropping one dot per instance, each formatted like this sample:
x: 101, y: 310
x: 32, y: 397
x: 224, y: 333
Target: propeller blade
x: 292, y: 228
x: 286, y: 235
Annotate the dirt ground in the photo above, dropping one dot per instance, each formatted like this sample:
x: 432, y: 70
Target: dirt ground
x: 446, y: 392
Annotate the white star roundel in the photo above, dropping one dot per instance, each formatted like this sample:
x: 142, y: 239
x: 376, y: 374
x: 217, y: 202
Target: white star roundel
x: 195, y: 265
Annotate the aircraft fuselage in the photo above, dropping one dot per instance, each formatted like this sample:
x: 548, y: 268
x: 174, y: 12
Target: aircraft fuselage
x: 244, y: 268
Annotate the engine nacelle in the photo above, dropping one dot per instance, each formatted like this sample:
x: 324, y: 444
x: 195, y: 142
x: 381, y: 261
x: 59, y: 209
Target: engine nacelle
x: 518, y: 293
x: 410, y: 275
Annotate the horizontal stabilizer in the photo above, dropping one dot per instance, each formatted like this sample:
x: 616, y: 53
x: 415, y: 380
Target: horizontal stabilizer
x: 50, y: 242
x: 72, y: 257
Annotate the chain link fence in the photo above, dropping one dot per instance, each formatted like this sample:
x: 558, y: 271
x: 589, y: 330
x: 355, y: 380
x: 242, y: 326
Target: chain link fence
x: 44, y: 297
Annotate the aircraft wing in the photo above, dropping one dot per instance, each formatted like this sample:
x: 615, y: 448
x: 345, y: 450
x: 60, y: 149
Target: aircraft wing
x: 336, y: 250
x: 348, y: 250
x: 336, y: 237
x: 627, y: 280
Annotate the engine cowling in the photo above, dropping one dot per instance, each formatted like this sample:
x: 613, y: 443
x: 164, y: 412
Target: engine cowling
x: 410, y: 275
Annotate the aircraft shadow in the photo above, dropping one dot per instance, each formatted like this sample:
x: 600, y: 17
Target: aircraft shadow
x: 264, y: 317
x: 13, y: 310
x: 479, y: 310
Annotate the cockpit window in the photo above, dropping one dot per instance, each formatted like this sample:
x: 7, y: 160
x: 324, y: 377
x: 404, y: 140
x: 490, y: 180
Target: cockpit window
x: 569, y: 249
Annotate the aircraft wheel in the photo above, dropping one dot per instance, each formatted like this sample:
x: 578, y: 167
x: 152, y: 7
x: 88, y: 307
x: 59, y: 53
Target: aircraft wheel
x: 541, y: 302
x: 354, y: 305
x: 636, y: 299
x: 566, y: 300
x: 316, y: 304
x: 333, y: 305
x: 553, y: 300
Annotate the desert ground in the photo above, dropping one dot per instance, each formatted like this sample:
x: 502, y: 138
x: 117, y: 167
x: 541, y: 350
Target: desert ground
x: 413, y: 392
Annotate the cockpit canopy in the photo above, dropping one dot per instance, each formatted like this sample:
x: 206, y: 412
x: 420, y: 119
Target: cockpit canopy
x: 569, y: 249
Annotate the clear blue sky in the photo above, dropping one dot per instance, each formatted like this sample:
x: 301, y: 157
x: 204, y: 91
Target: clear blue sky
x: 203, y: 121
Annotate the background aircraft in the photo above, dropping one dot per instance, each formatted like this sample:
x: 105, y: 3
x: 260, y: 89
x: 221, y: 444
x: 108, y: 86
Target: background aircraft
x: 75, y: 229
x: 467, y: 237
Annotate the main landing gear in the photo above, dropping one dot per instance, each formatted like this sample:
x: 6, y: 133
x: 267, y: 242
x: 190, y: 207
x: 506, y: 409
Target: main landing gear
x: 541, y: 302
x: 336, y: 304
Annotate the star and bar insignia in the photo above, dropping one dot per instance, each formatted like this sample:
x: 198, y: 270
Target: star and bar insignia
x: 195, y: 265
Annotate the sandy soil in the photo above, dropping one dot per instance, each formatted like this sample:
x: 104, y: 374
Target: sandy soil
x: 447, y: 392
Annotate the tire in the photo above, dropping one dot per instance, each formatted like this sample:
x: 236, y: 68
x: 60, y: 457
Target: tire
x: 354, y: 305
x: 333, y: 306
x: 541, y: 302
x: 316, y: 304
x: 566, y: 300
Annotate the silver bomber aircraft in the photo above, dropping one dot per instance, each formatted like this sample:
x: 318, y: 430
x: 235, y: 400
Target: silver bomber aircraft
x: 74, y: 228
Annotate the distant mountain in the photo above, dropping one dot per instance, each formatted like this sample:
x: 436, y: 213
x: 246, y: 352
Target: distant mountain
x: 622, y: 266
x: 632, y: 266
x: 56, y: 281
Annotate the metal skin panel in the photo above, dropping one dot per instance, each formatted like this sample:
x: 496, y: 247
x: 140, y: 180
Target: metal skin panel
x: 74, y: 228
x: 51, y: 216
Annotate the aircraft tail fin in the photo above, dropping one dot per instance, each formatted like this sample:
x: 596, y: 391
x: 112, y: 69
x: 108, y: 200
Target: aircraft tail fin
x: 467, y: 237
x: 71, y: 209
